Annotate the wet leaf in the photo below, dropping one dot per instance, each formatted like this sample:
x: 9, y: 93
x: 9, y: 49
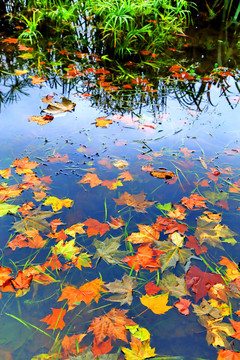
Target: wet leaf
x: 194, y: 200
x: 35, y: 220
x: 217, y: 331
x: 68, y: 250
x: 124, y: 288
x: 183, y: 306
x: 75, y: 229
x: 112, y: 325
x: 57, y: 204
x: 91, y: 179
x: 146, y: 257
x: 94, y: 227
x: 137, y: 201
x: 6, y: 208
x: 200, y: 281
x: 157, y: 303
x: 55, y: 321
x: 56, y: 107
x: 146, y: 235
x: 139, y: 350
x: 213, y: 197
x: 24, y: 166
x: 108, y: 250
x: 175, y: 285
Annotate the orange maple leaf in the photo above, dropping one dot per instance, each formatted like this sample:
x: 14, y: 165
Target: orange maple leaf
x: 6, y: 173
x: 228, y: 355
x: 4, y: 275
x: 38, y: 80
x: 112, y: 325
x: 100, y: 348
x: 193, y: 200
x: 102, y: 122
x: 87, y: 292
x: 69, y: 345
x: 126, y: 176
x: 55, y: 321
x: 146, y: 235
x: 24, y: 166
x: 137, y: 201
x: 24, y: 209
x: 22, y: 281
x: 116, y: 223
x: 95, y: 227
x: 91, y: 179
x: 145, y: 258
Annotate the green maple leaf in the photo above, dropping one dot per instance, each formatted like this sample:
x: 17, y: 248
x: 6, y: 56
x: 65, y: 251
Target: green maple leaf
x: 108, y: 250
x: 36, y: 220
x: 6, y: 208
x: 175, y: 285
x: 68, y: 250
x: 173, y: 254
x: 213, y: 197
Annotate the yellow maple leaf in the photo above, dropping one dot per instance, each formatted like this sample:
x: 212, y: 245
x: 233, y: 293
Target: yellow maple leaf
x: 57, y: 204
x: 75, y: 229
x: 158, y: 303
x: 139, y: 350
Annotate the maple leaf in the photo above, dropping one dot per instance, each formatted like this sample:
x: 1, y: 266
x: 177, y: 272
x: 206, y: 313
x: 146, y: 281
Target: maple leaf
x: 94, y: 227
x: 186, y: 151
x: 57, y: 204
x: 232, y: 268
x: 145, y: 258
x: 228, y: 355
x: 217, y: 331
x: 120, y: 164
x: 146, y: 235
x: 56, y: 107
x: 213, y: 197
x: 9, y: 191
x: 22, y: 281
x: 175, y: 285
x: 157, y: 303
x: 102, y: 122
x: 193, y: 200
x: 4, y: 275
x: 58, y: 158
x: 205, y: 308
x: 55, y: 321
x: 69, y: 344
x: 151, y: 288
x: 112, y: 325
x: 137, y: 201
x: 91, y: 179
x: 124, y: 288
x: 112, y: 184
x: 209, y: 230
x: 100, y: 348
x: 183, y: 306
x: 36, y: 220
x: 6, y: 173
x: 200, y: 281
x: 193, y: 244
x: 236, y: 326
x: 83, y: 259
x: 116, y: 223
x: 37, y: 80
x: 68, y: 250
x: 8, y: 209
x: 24, y: 209
x: 108, y: 250
x: 139, y: 350
x: 55, y: 223
x: 24, y: 166
x: 87, y: 292
x: 41, y: 120
x: 53, y: 263
x: 169, y: 225
x: 172, y: 254
x: 126, y: 176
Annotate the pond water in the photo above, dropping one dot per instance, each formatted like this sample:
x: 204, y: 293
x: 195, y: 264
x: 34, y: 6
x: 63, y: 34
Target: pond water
x: 187, y: 126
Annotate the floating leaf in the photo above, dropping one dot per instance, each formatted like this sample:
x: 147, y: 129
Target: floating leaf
x: 56, y: 107
x: 124, y: 288
x: 57, y: 204
x: 6, y: 208
x: 157, y: 303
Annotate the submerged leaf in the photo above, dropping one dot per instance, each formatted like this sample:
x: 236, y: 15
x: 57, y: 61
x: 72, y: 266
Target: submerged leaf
x: 56, y: 107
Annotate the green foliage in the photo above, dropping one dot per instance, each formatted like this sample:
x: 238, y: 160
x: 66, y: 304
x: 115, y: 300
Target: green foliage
x: 124, y: 24
x: 229, y: 10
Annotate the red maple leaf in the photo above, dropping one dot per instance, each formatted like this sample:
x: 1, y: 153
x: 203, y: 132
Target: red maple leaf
x: 22, y: 281
x: 201, y: 282
x: 193, y: 244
